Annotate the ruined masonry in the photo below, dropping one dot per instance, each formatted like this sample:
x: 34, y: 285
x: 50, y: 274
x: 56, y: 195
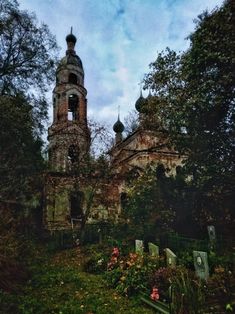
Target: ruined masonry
x: 69, y: 143
x: 69, y: 140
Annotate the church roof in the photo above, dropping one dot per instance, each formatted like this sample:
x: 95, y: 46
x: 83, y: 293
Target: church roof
x: 71, y: 59
x: 118, y: 126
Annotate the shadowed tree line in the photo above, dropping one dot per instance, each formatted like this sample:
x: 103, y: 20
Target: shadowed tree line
x: 193, y: 101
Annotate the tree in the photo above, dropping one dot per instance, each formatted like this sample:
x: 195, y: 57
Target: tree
x: 20, y: 157
x: 28, y: 56
x: 28, y: 52
x: 149, y: 202
x: 131, y: 122
x: 101, y: 138
x: 27, y: 66
x: 89, y: 172
x: 194, y: 101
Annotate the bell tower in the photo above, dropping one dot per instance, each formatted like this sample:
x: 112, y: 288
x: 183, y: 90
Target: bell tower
x: 68, y: 136
x: 69, y: 143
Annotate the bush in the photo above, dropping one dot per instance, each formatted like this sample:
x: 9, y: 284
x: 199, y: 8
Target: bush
x: 98, y: 259
x: 187, y: 292
x: 220, y: 289
x: 131, y: 274
x: 224, y: 261
x: 96, y: 264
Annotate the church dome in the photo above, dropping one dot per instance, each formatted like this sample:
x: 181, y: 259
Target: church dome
x: 118, y: 126
x: 71, y: 38
x: 71, y: 56
x: 140, y: 104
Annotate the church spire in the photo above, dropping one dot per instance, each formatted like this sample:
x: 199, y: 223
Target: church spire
x: 71, y: 41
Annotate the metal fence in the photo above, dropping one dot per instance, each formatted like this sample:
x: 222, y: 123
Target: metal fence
x: 125, y: 236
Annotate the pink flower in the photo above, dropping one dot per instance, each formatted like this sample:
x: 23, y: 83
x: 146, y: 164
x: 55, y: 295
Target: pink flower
x: 115, y: 252
x: 154, y: 295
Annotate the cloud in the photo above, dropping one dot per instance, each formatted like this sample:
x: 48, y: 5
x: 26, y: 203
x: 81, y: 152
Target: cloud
x: 117, y: 39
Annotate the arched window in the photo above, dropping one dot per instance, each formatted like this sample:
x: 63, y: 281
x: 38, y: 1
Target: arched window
x: 76, y: 204
x: 73, y: 154
x: 73, y: 79
x: 72, y: 107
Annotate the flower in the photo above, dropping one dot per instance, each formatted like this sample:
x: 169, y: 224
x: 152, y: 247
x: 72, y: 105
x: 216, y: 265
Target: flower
x: 154, y: 295
x: 115, y: 252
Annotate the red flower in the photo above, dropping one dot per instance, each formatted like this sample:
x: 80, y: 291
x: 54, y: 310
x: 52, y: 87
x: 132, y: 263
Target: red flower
x: 115, y: 252
x: 154, y: 295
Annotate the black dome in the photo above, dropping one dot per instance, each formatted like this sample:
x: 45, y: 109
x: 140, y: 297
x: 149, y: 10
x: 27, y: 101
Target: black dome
x: 118, y: 126
x: 140, y: 104
x: 71, y: 38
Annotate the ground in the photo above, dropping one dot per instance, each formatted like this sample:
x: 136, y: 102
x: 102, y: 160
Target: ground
x: 59, y: 285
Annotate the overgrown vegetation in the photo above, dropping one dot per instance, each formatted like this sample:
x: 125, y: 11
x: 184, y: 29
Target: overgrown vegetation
x: 59, y: 285
x: 193, y: 102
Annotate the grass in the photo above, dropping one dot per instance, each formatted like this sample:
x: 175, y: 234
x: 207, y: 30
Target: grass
x: 59, y: 285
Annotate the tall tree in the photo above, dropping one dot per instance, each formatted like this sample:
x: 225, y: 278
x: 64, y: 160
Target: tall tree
x: 194, y: 100
x: 20, y: 156
x: 28, y: 53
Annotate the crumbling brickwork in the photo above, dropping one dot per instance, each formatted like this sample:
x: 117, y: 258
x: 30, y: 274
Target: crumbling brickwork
x: 69, y: 143
x: 68, y: 136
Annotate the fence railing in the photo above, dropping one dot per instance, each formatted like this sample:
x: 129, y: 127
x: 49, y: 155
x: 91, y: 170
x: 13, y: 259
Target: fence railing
x: 106, y: 232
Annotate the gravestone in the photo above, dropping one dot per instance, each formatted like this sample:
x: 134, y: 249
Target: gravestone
x: 212, y: 236
x: 153, y: 250
x: 201, y: 264
x: 139, y: 247
x: 170, y: 258
x: 211, y: 233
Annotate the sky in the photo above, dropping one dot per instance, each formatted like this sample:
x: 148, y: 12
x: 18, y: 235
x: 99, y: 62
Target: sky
x: 116, y: 41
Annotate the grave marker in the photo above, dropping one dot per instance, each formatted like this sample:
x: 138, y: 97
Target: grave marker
x: 139, y: 246
x: 170, y: 258
x: 153, y: 250
x: 201, y: 264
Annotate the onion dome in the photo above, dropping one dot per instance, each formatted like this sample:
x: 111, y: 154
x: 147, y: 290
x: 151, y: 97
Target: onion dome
x: 71, y: 38
x: 140, y: 103
x: 118, y: 126
x: 71, y: 56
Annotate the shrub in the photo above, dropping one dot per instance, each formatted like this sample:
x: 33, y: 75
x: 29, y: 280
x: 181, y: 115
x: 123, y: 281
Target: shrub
x: 131, y: 274
x: 96, y: 264
x: 187, y: 293
x: 98, y: 259
x: 220, y: 288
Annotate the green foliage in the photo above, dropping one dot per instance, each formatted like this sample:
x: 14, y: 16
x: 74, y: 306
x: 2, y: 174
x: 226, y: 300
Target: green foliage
x: 58, y: 285
x: 28, y: 51
x: 217, y: 260
x: 193, y: 101
x: 188, y: 294
x: 149, y: 202
x: 20, y: 160
x: 186, y: 259
x: 15, y: 252
x: 220, y: 289
x: 130, y: 275
x: 181, y: 286
x: 159, y: 201
x: 28, y: 54
x: 97, y: 261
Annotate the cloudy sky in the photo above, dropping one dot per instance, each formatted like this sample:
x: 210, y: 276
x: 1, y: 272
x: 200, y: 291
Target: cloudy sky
x: 117, y: 39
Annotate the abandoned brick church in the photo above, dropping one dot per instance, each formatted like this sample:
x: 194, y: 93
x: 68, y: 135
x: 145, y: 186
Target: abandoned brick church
x: 69, y: 142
